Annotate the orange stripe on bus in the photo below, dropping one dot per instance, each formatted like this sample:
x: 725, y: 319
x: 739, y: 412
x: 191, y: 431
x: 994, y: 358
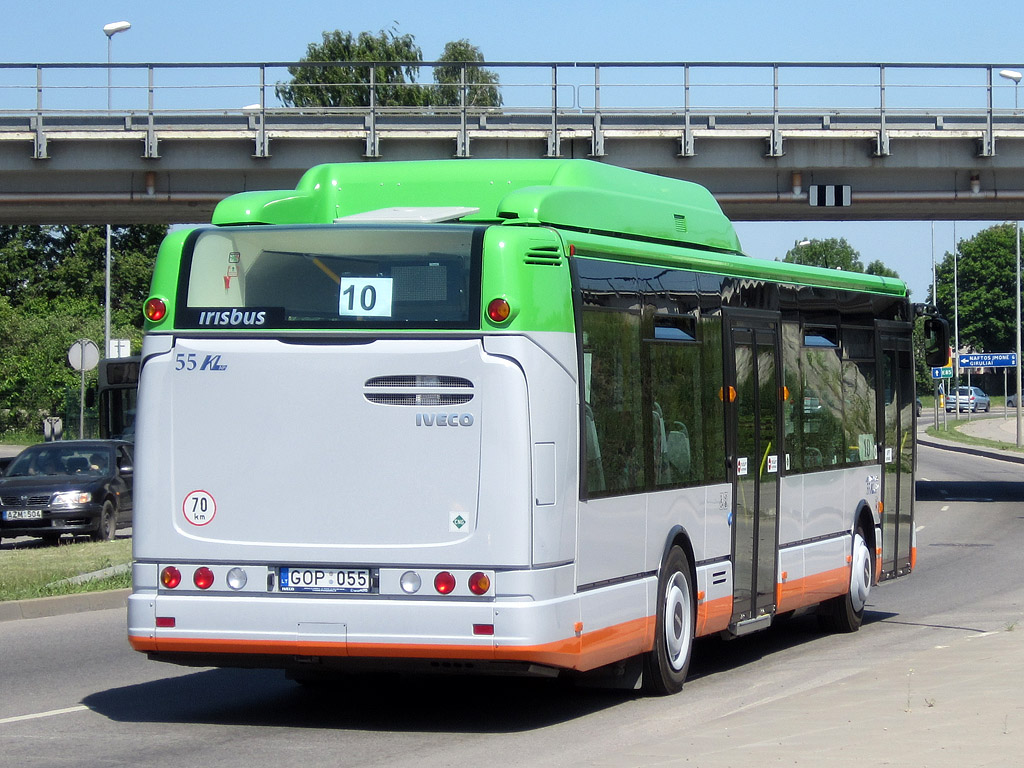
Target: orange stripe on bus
x: 588, y: 651
x: 714, y: 616
x: 796, y: 593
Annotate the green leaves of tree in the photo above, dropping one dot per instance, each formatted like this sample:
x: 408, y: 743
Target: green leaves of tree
x: 51, y: 294
x: 986, y: 289
x: 394, y: 61
x: 830, y: 253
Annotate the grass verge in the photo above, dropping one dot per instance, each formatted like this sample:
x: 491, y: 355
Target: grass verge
x: 954, y: 434
x: 26, y: 572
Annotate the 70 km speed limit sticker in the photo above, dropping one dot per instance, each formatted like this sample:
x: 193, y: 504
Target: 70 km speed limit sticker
x: 199, y: 507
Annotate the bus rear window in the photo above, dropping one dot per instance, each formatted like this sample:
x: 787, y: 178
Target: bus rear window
x: 333, y: 276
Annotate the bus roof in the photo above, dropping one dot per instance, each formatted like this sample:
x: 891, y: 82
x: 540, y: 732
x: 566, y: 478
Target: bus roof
x: 592, y: 199
x: 575, y: 194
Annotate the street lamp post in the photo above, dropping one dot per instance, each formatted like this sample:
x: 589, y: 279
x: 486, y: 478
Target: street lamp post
x: 1016, y: 77
x: 109, y: 30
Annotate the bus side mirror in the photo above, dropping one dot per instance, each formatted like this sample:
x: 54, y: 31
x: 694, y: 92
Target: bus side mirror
x: 936, y: 342
x: 90, y: 397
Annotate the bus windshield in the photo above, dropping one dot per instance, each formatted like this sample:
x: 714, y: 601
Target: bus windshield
x: 333, y: 277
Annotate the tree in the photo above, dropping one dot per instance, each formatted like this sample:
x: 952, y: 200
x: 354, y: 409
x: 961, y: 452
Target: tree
x: 339, y: 86
x: 50, y: 262
x: 985, y: 305
x: 51, y: 294
x: 879, y: 269
x: 481, y: 84
x: 831, y: 253
x: 396, y: 60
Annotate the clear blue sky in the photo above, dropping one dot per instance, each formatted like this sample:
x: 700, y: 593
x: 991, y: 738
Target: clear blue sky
x: 530, y: 30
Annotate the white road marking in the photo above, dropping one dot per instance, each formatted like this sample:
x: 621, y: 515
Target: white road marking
x: 51, y: 713
x: 920, y: 528
x: 944, y: 508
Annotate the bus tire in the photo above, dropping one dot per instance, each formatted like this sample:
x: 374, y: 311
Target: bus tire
x: 107, y: 524
x: 846, y: 612
x: 666, y: 664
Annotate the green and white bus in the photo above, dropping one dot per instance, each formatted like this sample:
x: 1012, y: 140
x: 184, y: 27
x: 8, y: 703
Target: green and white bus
x: 523, y: 416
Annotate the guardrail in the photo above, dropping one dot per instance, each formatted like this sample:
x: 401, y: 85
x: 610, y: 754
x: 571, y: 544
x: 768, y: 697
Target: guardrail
x: 592, y: 99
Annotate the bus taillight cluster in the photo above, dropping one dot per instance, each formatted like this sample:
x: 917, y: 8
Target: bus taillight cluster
x: 203, y: 577
x: 445, y: 582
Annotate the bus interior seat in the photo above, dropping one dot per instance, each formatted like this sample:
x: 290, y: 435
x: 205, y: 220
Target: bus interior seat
x: 678, y: 449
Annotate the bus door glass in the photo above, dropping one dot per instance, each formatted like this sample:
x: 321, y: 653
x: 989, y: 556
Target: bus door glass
x: 754, y: 445
x: 896, y: 409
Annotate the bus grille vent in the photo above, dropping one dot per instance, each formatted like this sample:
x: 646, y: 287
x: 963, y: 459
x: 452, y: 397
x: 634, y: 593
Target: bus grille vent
x: 548, y: 255
x: 680, y: 222
x: 447, y: 382
x: 418, y: 390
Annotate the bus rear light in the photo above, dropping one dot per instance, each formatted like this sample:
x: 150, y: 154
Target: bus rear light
x: 237, y: 578
x: 170, y: 577
x: 203, y: 578
x: 165, y: 622
x: 479, y: 583
x: 483, y: 629
x: 155, y: 310
x: 444, y: 583
x: 410, y: 582
x: 499, y: 310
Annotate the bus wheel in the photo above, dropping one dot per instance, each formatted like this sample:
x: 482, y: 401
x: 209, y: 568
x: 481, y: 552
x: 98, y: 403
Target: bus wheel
x: 108, y: 523
x: 846, y: 612
x: 666, y: 664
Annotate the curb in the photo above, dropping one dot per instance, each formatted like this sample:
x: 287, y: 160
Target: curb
x: 41, y: 607
x: 989, y: 453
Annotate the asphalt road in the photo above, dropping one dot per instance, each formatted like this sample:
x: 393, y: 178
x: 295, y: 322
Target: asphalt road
x: 74, y: 694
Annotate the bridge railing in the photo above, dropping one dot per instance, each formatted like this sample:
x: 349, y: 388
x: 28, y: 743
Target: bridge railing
x: 592, y: 97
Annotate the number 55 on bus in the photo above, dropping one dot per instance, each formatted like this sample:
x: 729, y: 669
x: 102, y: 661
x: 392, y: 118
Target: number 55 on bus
x: 528, y: 416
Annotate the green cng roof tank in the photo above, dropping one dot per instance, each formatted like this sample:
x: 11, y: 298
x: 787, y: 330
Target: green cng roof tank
x: 580, y: 195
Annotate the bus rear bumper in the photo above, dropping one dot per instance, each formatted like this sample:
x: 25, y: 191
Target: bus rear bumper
x: 288, y: 631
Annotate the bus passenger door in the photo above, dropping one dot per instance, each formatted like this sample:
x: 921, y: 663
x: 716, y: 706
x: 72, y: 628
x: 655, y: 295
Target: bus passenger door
x: 896, y: 414
x: 754, y: 419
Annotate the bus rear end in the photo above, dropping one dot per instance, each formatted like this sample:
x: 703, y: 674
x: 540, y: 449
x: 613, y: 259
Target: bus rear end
x: 348, y: 453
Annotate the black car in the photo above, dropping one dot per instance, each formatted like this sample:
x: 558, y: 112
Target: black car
x: 73, y: 486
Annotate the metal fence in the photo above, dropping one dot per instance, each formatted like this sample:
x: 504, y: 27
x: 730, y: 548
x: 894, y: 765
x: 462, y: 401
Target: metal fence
x: 541, y: 95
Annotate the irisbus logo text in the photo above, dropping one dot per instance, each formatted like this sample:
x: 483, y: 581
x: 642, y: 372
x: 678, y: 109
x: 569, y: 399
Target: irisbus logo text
x: 444, y: 420
x: 232, y: 317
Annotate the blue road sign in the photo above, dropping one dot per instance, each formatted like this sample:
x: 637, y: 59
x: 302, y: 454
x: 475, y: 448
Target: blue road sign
x: 988, y: 360
x: 946, y: 372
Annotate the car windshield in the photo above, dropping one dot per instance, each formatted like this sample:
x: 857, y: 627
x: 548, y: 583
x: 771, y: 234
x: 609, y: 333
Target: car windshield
x: 51, y: 460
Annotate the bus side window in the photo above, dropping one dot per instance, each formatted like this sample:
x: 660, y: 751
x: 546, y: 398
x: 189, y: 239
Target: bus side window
x: 614, y: 454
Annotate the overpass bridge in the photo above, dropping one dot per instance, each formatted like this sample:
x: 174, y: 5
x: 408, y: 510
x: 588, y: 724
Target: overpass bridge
x: 132, y: 143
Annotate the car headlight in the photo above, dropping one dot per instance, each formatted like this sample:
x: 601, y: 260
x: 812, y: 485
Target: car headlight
x: 71, y: 498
